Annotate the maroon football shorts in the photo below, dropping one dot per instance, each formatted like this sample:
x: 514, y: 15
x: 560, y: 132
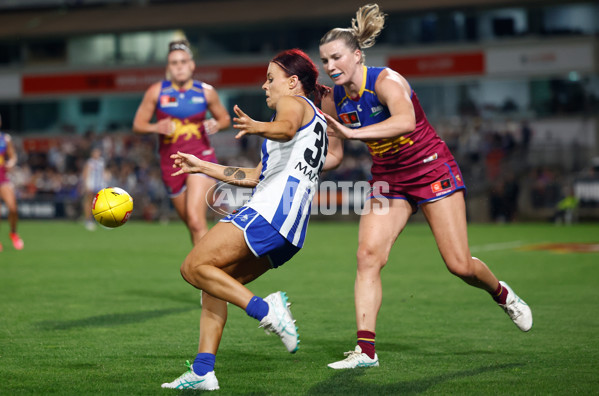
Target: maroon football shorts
x: 440, y: 182
x: 175, y: 185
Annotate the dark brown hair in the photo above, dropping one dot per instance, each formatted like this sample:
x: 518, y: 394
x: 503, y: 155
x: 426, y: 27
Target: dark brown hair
x: 295, y: 62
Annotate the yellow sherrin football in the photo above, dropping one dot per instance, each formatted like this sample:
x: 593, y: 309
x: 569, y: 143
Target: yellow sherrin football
x: 112, y: 207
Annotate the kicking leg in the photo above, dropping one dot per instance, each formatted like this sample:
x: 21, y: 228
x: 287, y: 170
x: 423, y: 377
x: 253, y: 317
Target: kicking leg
x: 447, y: 219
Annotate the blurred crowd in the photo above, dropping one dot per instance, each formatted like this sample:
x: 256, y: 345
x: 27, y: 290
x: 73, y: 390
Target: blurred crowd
x: 51, y: 168
x: 492, y: 157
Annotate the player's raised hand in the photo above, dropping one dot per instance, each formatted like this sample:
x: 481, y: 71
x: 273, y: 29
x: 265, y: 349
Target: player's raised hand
x: 187, y: 163
x: 336, y: 129
x: 244, y: 123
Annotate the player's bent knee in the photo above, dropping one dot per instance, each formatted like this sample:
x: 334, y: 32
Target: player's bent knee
x: 461, y: 269
x: 186, y: 270
x: 369, y: 258
x: 191, y: 265
x: 193, y: 272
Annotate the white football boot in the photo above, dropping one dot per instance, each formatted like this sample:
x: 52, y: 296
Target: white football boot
x: 190, y: 380
x: 280, y: 321
x: 355, y: 359
x: 517, y: 309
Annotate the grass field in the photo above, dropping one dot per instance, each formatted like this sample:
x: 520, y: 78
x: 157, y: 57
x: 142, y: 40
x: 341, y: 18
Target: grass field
x: 107, y: 313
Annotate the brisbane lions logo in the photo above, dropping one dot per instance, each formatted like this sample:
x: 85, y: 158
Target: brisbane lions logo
x: 183, y: 130
x: 393, y: 145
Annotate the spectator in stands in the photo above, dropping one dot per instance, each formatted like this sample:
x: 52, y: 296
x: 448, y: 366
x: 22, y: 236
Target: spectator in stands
x: 565, y: 211
x: 93, y: 180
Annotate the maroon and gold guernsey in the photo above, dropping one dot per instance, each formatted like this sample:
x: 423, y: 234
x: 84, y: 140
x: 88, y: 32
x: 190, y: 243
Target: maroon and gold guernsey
x: 403, y: 161
x: 187, y: 109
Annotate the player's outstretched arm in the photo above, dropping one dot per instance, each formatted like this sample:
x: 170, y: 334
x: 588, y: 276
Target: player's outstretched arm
x: 290, y: 113
x: 189, y: 163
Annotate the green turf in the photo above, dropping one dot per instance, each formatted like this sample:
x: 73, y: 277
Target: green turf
x: 107, y: 313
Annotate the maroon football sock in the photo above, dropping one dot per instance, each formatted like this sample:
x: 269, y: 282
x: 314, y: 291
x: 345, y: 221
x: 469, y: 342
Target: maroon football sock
x: 366, y: 342
x: 500, y: 294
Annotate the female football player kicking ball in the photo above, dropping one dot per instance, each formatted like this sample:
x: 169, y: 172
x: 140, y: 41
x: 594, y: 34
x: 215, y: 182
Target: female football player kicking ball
x: 270, y: 228
x: 377, y: 105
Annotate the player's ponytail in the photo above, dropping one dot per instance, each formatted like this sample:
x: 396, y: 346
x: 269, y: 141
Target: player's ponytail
x: 365, y: 28
x: 320, y: 91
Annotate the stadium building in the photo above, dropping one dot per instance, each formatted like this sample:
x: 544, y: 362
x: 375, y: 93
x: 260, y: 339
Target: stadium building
x: 511, y: 86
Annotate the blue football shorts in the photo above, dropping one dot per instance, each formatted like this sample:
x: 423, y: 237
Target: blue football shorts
x: 261, y: 237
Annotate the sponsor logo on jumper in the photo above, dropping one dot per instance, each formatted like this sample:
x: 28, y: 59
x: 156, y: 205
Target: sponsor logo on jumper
x: 311, y: 173
x: 350, y: 119
x: 168, y: 101
x: 375, y: 111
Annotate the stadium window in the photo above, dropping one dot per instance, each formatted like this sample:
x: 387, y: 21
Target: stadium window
x: 571, y: 19
x: 143, y: 47
x: 428, y: 28
x: 46, y: 51
x: 501, y: 23
x: 89, y: 106
x: 39, y: 116
x: 471, y: 28
x: 458, y: 20
x: 9, y: 113
x: 95, y: 49
x: 503, y: 26
x: 10, y: 53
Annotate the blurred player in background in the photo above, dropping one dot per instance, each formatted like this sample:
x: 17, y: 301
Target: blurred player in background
x: 181, y: 105
x: 94, y: 179
x: 270, y: 228
x: 377, y: 105
x: 8, y: 159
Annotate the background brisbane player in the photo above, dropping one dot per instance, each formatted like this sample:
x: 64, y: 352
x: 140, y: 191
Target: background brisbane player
x: 181, y: 105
